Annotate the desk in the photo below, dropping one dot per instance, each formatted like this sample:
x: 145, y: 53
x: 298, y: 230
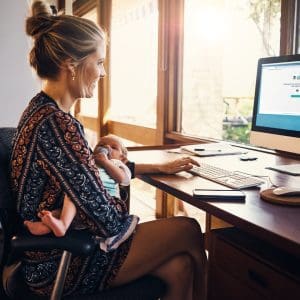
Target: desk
x: 278, y: 225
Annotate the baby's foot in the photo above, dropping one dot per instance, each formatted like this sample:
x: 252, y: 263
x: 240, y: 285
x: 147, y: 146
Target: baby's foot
x: 37, y: 228
x: 53, y: 223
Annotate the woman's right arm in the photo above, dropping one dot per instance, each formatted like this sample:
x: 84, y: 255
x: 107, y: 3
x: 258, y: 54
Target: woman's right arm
x: 170, y: 167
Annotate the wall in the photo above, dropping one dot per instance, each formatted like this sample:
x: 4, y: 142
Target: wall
x: 17, y: 81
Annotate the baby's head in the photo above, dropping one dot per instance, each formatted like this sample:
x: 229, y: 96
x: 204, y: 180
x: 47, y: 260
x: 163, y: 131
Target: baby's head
x: 115, y: 146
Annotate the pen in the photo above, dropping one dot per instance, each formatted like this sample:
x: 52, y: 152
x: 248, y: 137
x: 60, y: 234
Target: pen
x: 203, y: 149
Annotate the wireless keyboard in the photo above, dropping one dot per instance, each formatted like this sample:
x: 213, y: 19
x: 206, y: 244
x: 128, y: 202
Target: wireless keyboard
x: 232, y: 179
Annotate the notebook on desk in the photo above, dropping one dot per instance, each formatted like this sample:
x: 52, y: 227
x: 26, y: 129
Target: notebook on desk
x: 293, y: 169
x: 212, y: 149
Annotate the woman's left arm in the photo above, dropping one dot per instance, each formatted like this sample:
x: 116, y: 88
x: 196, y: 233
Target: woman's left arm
x: 65, y: 155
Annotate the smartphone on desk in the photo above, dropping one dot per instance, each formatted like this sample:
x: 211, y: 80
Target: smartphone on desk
x: 219, y: 195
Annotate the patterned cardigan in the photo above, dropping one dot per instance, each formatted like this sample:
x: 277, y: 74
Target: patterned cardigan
x: 51, y: 158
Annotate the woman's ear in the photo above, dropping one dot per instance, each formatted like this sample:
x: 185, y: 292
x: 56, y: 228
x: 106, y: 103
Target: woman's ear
x: 70, y: 66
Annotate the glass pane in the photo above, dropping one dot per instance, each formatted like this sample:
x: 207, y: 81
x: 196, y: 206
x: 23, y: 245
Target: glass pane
x: 223, y: 40
x: 134, y: 39
x: 89, y: 106
x: 298, y: 31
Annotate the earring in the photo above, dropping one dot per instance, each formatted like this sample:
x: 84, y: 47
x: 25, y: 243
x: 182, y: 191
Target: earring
x: 73, y: 76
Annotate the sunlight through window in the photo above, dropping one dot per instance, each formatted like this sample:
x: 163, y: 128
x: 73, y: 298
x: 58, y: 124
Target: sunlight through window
x: 134, y: 43
x: 222, y: 43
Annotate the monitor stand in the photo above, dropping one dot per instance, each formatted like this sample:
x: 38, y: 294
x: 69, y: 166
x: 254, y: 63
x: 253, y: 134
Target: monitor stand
x: 293, y: 169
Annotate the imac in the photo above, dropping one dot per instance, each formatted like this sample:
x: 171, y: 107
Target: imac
x: 276, y: 111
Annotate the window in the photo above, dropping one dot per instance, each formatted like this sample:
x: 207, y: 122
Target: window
x: 223, y: 40
x: 208, y: 51
x: 89, y: 107
x: 134, y: 44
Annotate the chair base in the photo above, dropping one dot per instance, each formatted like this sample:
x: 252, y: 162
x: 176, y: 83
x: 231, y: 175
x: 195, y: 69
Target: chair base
x: 146, y: 288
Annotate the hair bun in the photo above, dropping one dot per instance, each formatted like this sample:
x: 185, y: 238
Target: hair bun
x: 41, y: 18
x: 39, y: 8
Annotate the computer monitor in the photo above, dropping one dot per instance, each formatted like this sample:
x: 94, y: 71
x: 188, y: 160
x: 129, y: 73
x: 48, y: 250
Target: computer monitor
x: 276, y: 112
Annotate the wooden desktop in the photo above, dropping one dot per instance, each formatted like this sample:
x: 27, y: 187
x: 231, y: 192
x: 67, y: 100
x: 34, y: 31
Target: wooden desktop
x: 237, y: 269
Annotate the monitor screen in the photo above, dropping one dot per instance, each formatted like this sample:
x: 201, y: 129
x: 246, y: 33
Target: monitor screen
x: 276, y: 112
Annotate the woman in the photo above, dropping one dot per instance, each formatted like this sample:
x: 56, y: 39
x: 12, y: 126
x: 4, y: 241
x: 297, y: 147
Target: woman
x: 51, y: 159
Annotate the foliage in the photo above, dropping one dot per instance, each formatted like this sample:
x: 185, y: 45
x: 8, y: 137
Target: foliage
x: 263, y: 13
x: 237, y: 133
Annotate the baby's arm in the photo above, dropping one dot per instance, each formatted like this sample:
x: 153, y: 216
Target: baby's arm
x: 115, y: 169
x: 125, y: 169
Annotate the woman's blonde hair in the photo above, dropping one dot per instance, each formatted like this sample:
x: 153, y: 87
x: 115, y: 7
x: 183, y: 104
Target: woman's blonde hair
x: 58, y: 38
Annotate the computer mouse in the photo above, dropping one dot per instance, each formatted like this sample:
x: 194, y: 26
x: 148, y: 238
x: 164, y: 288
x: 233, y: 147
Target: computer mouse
x: 286, y: 191
x: 247, y: 157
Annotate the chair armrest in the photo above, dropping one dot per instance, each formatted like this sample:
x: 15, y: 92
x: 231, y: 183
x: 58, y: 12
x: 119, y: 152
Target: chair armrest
x: 78, y: 242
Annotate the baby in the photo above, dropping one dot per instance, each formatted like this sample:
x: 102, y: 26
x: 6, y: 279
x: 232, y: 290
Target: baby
x: 111, y: 155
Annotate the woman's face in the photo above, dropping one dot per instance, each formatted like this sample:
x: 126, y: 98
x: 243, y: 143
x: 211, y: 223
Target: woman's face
x: 90, y: 71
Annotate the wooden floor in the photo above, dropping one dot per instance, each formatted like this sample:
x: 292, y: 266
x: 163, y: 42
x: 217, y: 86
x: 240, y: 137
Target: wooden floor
x: 142, y: 203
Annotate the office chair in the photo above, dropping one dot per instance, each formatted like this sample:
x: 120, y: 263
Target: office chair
x: 13, y: 243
